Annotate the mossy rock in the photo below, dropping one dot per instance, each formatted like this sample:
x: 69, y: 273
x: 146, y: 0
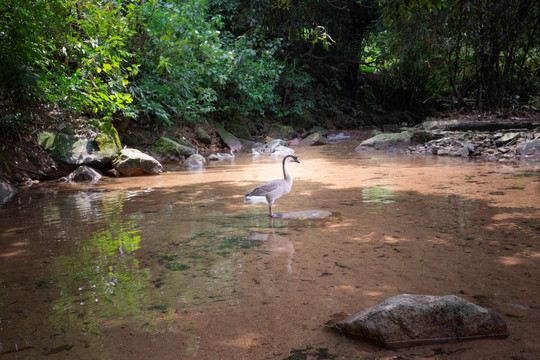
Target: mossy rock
x: 240, y: 131
x: 202, y: 136
x: 421, y: 136
x: 73, y: 150
x: 280, y: 131
x: 180, y: 140
x: 303, y: 121
x: 166, y: 146
x: 535, y: 102
x: 382, y: 141
x: 108, y: 136
x: 228, y: 138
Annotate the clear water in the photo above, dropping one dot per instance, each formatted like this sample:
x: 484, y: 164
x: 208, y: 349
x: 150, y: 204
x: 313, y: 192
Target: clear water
x: 177, y: 265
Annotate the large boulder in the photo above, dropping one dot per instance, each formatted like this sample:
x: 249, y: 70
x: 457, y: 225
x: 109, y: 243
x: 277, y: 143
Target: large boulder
x: 7, y: 191
x: 412, y: 320
x: 133, y: 162
x: 229, y: 139
x: 383, y: 141
x: 98, y: 151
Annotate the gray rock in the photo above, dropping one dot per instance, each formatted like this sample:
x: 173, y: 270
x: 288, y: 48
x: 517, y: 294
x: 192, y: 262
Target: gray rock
x: 507, y: 138
x: 268, y: 148
x: 229, y: 139
x: 313, y: 140
x: 463, y: 152
x: 132, y: 162
x: 529, y: 147
x: 7, y: 191
x: 413, y: 320
x: 442, y: 152
x: 282, y: 151
x: 196, y: 161
x: 383, y: 141
x: 82, y: 173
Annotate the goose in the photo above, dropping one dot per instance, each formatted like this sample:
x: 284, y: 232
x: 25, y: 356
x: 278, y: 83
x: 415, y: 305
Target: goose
x: 222, y: 156
x: 270, y: 191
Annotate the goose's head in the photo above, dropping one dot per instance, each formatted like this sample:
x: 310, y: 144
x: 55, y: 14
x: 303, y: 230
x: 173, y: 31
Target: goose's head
x: 292, y: 158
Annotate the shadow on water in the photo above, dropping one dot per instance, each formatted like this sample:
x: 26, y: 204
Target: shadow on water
x: 149, y: 259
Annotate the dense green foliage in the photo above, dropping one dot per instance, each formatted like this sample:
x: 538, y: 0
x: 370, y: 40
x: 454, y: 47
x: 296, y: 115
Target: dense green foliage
x: 485, y: 51
x: 162, y: 62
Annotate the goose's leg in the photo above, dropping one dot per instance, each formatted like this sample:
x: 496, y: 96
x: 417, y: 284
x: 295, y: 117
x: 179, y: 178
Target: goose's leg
x: 271, y: 212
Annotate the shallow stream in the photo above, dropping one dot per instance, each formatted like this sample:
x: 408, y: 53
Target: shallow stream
x: 176, y: 266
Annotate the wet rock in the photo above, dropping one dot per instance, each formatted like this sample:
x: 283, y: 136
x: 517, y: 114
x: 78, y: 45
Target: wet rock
x: 413, y: 320
x: 133, y: 162
x: 82, y: 173
x: 313, y: 140
x: 269, y: 147
x: 229, y: 139
x: 7, y: 191
x: 195, y: 161
x: 282, y: 151
x: 384, y: 141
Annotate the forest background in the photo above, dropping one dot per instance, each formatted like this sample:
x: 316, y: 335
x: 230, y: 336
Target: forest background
x: 155, y: 64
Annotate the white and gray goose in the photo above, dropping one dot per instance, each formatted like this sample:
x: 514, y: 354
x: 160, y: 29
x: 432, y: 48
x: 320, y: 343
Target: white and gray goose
x: 270, y: 191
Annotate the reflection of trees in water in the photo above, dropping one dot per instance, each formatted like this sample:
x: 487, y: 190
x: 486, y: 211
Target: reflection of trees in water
x: 102, y: 279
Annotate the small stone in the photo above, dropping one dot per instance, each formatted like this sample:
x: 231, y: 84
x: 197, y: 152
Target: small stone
x: 442, y: 152
x: 463, y: 152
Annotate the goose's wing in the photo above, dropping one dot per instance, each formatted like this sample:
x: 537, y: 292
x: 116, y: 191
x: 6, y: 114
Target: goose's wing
x: 266, y: 188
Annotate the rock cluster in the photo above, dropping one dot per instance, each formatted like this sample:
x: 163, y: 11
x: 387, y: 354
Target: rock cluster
x: 489, y: 146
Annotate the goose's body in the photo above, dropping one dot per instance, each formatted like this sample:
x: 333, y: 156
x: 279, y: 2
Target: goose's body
x: 270, y: 191
x: 222, y: 156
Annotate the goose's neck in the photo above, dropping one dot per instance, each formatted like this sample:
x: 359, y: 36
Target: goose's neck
x: 286, y: 174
